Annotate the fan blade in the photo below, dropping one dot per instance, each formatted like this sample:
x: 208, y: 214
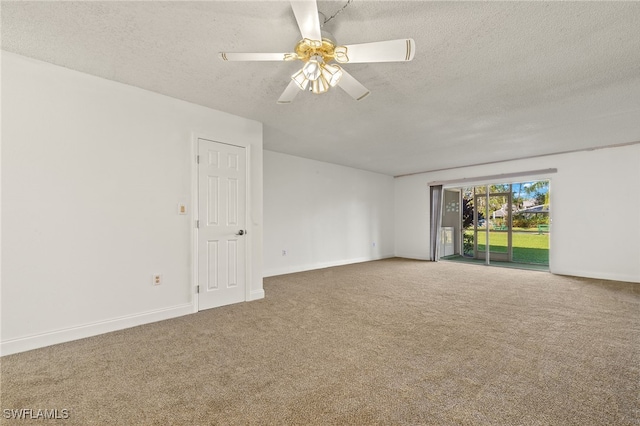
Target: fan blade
x: 381, y: 51
x: 352, y: 86
x: 289, y: 93
x: 254, y: 56
x: 306, y: 13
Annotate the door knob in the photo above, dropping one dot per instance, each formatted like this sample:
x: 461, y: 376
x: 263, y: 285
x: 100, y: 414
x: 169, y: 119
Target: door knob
x: 240, y: 232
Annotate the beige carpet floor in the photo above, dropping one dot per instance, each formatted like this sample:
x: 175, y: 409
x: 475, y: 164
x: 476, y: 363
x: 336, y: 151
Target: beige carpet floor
x: 388, y: 342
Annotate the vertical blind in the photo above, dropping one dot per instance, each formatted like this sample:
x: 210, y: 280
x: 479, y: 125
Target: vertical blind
x: 435, y: 221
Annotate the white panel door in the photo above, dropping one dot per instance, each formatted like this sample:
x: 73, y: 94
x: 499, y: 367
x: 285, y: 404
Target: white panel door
x: 222, y: 179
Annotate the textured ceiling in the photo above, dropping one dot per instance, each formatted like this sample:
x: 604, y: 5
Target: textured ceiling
x: 489, y: 81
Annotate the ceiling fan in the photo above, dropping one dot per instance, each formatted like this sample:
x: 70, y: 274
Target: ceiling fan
x: 317, y: 51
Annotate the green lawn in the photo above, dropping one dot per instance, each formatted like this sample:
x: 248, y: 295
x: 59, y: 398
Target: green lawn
x: 528, y: 247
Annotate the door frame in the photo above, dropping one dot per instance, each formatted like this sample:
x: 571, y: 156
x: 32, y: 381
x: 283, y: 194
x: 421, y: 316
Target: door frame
x: 195, y: 137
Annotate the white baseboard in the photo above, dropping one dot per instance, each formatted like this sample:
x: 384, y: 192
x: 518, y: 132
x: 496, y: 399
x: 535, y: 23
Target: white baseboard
x: 23, y: 344
x: 412, y: 256
x: 321, y: 265
x: 256, y: 295
x: 596, y: 275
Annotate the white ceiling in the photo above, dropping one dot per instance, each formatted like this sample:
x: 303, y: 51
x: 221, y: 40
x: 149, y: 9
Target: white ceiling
x: 490, y: 80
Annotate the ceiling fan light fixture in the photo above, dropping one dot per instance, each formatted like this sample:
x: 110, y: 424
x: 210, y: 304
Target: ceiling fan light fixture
x: 320, y: 85
x: 332, y: 73
x: 318, y: 48
x: 301, y: 80
x: 313, y: 68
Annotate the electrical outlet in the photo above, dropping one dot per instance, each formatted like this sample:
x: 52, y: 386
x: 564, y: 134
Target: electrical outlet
x: 284, y: 252
x: 157, y: 279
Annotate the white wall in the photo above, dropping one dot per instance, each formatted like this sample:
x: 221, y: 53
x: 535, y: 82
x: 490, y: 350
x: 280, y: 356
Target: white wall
x: 594, y: 203
x: 92, y: 173
x: 323, y: 214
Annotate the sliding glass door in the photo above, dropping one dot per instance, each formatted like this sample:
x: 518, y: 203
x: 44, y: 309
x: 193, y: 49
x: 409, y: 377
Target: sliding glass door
x: 531, y: 223
x: 502, y: 223
x: 492, y: 223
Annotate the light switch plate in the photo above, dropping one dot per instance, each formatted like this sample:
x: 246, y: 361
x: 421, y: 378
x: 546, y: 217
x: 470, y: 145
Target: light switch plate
x: 182, y: 208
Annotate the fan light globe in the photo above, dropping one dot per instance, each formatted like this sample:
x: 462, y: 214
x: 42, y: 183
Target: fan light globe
x: 319, y: 86
x: 313, y: 68
x: 301, y: 80
x: 332, y: 73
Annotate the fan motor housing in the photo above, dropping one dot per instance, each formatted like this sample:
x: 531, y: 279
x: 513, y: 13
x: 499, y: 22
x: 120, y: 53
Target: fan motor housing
x: 305, y: 49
